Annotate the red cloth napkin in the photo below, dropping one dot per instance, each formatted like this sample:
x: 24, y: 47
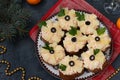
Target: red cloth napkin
x: 83, y: 5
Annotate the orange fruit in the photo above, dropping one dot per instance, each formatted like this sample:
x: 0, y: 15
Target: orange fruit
x: 118, y: 23
x: 33, y: 2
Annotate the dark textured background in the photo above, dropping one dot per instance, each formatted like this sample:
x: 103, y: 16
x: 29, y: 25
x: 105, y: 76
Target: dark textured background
x: 23, y: 53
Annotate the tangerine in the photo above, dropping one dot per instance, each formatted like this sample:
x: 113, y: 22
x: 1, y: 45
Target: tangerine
x: 118, y: 23
x: 33, y: 2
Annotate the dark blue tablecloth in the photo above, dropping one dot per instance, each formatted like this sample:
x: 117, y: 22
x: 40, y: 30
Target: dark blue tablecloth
x: 23, y: 53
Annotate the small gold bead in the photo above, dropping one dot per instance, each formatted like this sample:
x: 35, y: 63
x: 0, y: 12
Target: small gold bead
x: 38, y: 79
x: 109, y: 77
x: 32, y: 78
x: 12, y: 72
x: 1, y: 52
x: 6, y: 71
x: 20, y: 67
x: 22, y: 78
x: 23, y: 74
x: 118, y: 69
x: 5, y: 62
x: 114, y: 74
x: 2, y: 61
x: 2, y: 39
x: 23, y: 71
x: 17, y: 69
x: 7, y: 68
x: 8, y: 74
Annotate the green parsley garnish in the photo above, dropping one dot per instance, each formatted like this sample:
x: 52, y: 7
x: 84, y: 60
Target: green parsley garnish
x: 101, y: 30
x: 80, y: 16
x: 62, y: 67
x: 48, y: 47
x: 73, y: 31
x: 42, y: 23
x: 61, y: 13
x: 96, y: 51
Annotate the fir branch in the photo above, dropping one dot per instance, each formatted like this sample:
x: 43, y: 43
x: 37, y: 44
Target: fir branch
x: 13, y: 19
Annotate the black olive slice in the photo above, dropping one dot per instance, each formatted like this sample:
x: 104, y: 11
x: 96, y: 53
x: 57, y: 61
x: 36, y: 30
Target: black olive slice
x: 78, y: 28
x: 74, y: 39
x: 67, y: 17
x: 52, y: 51
x: 87, y: 22
x: 71, y: 63
x: 53, y: 30
x: 97, y: 38
x: 92, y: 57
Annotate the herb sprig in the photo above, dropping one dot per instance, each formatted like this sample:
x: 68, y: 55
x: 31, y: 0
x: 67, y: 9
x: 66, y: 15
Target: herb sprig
x: 48, y: 47
x: 80, y: 16
x: 42, y: 23
x: 61, y: 13
x: 73, y: 31
x: 96, y: 51
x: 62, y: 67
x: 101, y: 30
